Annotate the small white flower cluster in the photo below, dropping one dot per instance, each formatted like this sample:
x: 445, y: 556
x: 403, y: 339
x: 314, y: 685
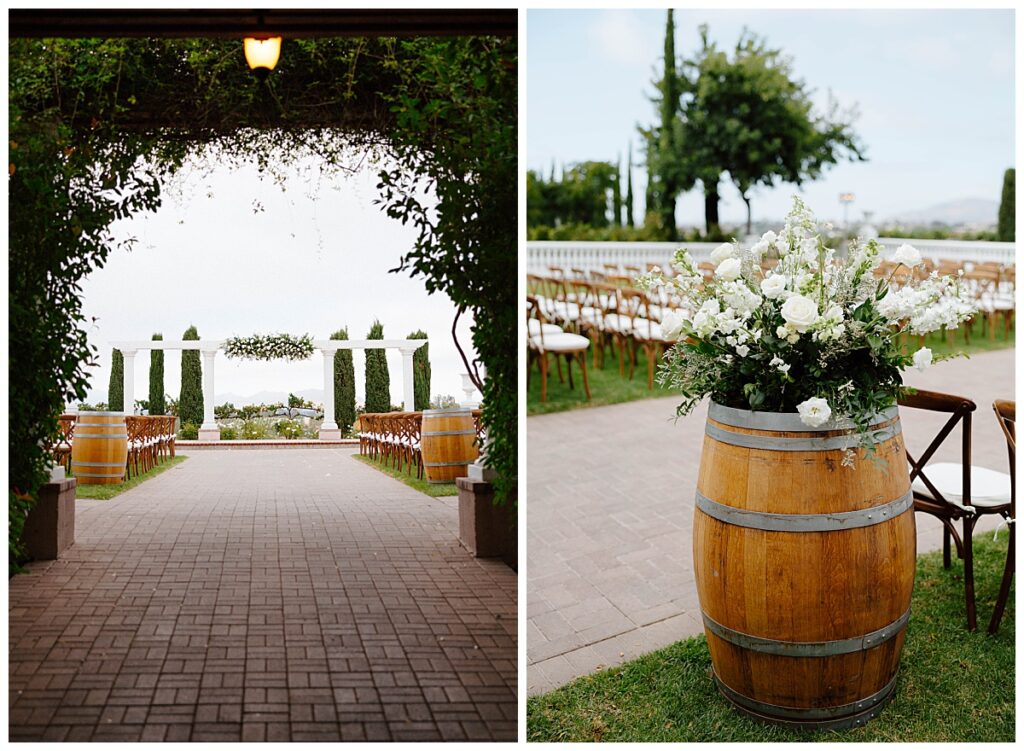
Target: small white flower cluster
x: 269, y: 347
x: 805, y: 310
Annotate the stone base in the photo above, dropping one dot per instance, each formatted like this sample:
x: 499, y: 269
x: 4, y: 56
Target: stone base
x: 329, y: 434
x: 486, y: 530
x: 50, y: 526
x: 209, y: 434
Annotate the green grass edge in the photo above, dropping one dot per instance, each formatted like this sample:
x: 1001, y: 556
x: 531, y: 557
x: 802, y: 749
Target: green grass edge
x: 106, y: 492
x: 434, y: 491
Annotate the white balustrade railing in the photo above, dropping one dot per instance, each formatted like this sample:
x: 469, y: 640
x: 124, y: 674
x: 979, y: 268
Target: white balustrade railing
x: 590, y: 256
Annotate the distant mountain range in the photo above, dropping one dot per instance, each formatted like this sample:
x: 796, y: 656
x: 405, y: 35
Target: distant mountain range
x: 269, y: 397
x: 974, y: 211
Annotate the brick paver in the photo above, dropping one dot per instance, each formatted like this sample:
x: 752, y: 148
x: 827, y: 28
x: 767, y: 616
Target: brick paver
x: 610, y: 507
x: 265, y: 596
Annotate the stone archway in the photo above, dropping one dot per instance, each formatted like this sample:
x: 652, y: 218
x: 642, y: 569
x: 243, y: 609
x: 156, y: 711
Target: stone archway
x: 209, y: 348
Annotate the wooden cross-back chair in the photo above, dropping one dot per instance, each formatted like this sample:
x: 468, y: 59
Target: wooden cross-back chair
x: 539, y: 346
x: 955, y: 492
x: 1006, y: 414
x: 62, y: 448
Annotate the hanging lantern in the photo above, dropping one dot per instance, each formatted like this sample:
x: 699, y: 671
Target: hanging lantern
x: 262, y: 55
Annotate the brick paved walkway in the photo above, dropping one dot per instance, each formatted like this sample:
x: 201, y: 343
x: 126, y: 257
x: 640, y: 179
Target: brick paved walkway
x: 294, y: 595
x: 610, y: 510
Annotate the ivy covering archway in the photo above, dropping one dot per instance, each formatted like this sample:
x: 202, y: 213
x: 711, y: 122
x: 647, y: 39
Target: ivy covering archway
x: 96, y: 126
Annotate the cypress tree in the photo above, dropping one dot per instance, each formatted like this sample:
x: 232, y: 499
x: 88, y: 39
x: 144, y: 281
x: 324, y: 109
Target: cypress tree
x: 190, y: 401
x: 157, y: 406
x: 629, y: 188
x: 1007, y: 206
x: 421, y: 373
x: 378, y: 383
x: 617, y: 195
x: 670, y: 93
x: 344, y: 385
x: 115, y: 391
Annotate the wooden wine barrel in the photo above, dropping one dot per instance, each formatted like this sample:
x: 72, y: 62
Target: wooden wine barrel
x: 99, y: 451
x: 447, y: 443
x: 804, y: 566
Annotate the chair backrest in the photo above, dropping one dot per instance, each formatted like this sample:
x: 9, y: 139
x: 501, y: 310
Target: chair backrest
x: 1006, y: 414
x: 959, y: 409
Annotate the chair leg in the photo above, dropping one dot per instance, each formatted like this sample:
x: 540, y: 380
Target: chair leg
x: 972, y: 617
x: 1004, y: 585
x: 568, y: 368
x: 544, y: 376
x: 583, y: 367
x: 945, y: 547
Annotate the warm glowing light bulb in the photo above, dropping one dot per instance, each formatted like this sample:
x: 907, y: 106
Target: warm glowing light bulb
x: 262, y: 53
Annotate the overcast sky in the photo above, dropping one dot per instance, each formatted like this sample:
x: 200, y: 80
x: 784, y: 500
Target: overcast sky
x: 934, y: 87
x: 236, y: 254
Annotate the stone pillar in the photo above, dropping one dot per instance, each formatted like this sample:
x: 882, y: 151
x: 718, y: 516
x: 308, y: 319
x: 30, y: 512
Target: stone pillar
x: 208, y: 431
x: 408, y: 390
x: 329, y: 430
x: 128, y: 382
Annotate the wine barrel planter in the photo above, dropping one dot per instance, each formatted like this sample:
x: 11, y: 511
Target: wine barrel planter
x: 804, y: 567
x: 99, y: 451
x: 447, y: 443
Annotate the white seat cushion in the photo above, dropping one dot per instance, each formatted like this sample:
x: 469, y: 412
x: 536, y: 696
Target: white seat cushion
x: 988, y: 487
x: 560, y: 343
x: 535, y: 327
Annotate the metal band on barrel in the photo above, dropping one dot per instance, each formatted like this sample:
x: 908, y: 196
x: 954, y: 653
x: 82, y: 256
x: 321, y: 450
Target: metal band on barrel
x: 785, y: 422
x: 97, y: 464
x: 806, y: 648
x: 805, y: 522
x: 845, y: 712
x: 448, y: 432
x: 777, y: 443
x: 100, y: 435
x: 447, y: 464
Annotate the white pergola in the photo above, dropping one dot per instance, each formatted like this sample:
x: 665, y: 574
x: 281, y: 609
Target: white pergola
x: 328, y: 347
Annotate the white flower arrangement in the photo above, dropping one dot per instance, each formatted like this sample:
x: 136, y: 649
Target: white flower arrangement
x: 269, y: 347
x: 812, y: 334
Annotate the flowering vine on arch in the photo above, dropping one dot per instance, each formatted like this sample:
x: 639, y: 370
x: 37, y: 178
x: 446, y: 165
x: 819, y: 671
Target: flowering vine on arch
x: 269, y: 347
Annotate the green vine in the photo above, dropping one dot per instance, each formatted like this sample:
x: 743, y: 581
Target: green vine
x: 97, y: 127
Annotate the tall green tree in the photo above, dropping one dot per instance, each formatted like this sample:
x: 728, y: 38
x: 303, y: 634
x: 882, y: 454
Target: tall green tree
x: 748, y: 117
x: 420, y: 373
x: 580, y: 196
x: 617, y: 194
x: 1007, y: 206
x: 157, y: 402
x: 629, y: 188
x: 378, y: 382
x: 668, y: 154
x: 190, y: 400
x: 115, y: 391
x: 344, y: 385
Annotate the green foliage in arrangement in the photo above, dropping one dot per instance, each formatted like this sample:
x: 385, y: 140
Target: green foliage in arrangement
x: 96, y: 127
x: 189, y: 431
x: 420, y: 373
x: 190, y: 401
x: 344, y: 385
x: 115, y: 390
x: 1007, y: 207
x: 378, y: 381
x: 157, y: 405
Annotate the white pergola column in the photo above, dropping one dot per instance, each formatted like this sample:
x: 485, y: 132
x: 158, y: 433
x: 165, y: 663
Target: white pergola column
x: 329, y: 430
x: 208, y: 431
x: 128, y: 382
x: 408, y: 391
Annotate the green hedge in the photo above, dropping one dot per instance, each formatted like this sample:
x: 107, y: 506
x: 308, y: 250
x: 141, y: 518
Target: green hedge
x: 378, y: 382
x: 190, y: 402
x: 344, y: 385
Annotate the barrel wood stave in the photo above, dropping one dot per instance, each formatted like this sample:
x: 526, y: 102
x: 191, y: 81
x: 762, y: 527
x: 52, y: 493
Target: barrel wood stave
x: 99, y: 451
x: 447, y: 444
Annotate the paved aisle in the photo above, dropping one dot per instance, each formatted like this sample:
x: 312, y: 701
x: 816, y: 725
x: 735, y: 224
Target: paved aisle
x: 610, y: 514
x: 265, y: 595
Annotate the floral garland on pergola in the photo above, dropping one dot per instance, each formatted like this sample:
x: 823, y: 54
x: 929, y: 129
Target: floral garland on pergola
x: 269, y: 347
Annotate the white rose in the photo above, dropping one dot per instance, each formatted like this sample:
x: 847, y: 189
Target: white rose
x: 923, y: 358
x: 773, y: 286
x: 908, y: 255
x: 758, y: 249
x: 728, y: 269
x: 769, y: 237
x: 723, y: 251
x: 800, y: 312
x: 814, y: 412
x: 672, y: 325
x: 743, y: 350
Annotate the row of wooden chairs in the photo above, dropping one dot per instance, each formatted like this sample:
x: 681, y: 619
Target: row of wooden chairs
x: 150, y: 441
x: 394, y: 437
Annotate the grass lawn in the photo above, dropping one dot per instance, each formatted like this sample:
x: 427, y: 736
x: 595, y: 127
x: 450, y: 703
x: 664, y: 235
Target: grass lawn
x: 106, y: 492
x: 953, y: 685
x: 434, y: 491
x: 608, y: 387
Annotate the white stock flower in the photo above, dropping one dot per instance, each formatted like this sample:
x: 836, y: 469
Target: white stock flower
x: 773, y: 286
x: 738, y: 296
x: 800, y: 312
x: 672, y: 323
x: 908, y: 255
x: 814, y: 412
x: 743, y: 350
x: 705, y: 321
x: 723, y: 251
x: 779, y: 364
x: 769, y: 237
x: 782, y: 332
x: 758, y: 249
x: 923, y: 358
x: 728, y: 269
